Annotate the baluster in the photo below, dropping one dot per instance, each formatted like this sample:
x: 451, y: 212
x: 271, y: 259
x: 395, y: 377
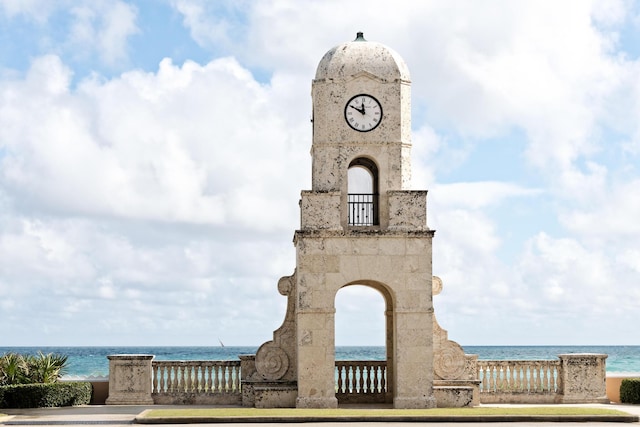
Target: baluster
x: 154, y: 383
x: 538, y: 384
x: 501, y: 372
x: 360, y: 380
x: 202, y: 378
x: 486, y: 378
x: 191, y: 377
x: 216, y: 383
x: 340, y: 381
x: 160, y: 379
x: 182, y: 383
x: 383, y: 379
x: 170, y: 378
x: 366, y: 377
x: 187, y: 376
x: 209, y: 387
x: 488, y: 373
x: 351, y: 379
x: 196, y: 377
x: 377, y: 371
x: 236, y: 375
x: 227, y: 379
x: 520, y: 372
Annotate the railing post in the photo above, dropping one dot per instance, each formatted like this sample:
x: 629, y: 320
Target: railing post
x: 130, y: 379
x: 583, y: 378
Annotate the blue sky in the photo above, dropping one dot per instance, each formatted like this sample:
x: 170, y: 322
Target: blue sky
x: 152, y: 155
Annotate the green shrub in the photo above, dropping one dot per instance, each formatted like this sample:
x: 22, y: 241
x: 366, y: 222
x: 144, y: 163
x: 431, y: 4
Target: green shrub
x: 630, y: 390
x: 45, y: 395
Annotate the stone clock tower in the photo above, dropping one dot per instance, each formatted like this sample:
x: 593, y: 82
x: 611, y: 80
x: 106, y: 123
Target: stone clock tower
x: 360, y: 225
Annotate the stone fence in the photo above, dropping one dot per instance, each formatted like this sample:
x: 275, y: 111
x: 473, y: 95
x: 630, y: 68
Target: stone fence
x: 138, y: 379
x: 574, y: 378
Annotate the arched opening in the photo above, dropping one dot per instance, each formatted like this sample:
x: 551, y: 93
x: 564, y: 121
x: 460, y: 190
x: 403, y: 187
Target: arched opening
x: 362, y: 187
x: 363, y: 341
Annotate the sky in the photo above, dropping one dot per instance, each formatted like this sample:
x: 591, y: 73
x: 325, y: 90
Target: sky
x: 152, y: 154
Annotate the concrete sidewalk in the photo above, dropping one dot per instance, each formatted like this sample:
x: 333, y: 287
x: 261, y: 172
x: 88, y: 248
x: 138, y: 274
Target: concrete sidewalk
x: 125, y: 415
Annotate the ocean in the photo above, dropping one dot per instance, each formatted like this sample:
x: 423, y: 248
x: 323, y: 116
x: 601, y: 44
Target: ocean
x: 92, y: 362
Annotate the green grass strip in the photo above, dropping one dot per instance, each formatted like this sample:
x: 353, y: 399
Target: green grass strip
x: 294, y: 412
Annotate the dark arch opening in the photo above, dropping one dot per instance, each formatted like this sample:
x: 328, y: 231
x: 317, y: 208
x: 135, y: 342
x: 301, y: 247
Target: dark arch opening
x: 362, y: 191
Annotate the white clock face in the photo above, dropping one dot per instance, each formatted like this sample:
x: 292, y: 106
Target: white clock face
x: 363, y: 113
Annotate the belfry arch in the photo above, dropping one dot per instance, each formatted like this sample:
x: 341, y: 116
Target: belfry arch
x: 362, y: 193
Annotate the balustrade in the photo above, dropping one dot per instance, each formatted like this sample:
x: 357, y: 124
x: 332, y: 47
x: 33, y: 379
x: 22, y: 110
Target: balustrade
x: 197, y: 377
x: 519, y: 376
x: 367, y: 379
x: 574, y: 378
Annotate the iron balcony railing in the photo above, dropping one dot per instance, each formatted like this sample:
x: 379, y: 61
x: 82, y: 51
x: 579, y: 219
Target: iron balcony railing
x: 363, y: 209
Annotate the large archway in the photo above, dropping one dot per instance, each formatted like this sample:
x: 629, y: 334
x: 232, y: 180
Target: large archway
x: 364, y: 319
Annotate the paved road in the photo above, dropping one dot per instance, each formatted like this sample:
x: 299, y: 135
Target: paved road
x: 124, y: 415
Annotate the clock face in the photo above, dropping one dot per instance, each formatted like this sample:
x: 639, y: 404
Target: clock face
x: 363, y: 113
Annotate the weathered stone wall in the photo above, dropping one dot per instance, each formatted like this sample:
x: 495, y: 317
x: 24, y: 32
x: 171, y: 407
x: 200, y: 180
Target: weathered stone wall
x: 130, y: 379
x: 395, y: 263
x: 583, y: 378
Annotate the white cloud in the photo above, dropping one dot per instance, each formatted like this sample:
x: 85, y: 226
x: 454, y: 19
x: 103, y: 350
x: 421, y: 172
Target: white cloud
x: 99, y: 28
x: 175, y: 190
x: 103, y: 28
x: 208, y: 146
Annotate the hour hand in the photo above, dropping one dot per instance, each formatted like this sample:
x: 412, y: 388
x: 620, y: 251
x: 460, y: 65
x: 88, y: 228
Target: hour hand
x: 360, y: 110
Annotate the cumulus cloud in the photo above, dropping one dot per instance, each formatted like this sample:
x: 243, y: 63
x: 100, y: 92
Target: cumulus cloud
x: 90, y: 171
x: 174, y: 189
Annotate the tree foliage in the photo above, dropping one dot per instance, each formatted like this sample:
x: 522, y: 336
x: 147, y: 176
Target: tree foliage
x: 31, y: 369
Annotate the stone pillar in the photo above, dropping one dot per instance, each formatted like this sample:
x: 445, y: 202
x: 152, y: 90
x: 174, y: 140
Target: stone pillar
x: 414, y: 360
x: 583, y: 378
x: 316, y: 360
x: 247, y: 370
x: 130, y: 377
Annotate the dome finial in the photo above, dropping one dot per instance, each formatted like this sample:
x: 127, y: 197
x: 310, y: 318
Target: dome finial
x: 359, y: 37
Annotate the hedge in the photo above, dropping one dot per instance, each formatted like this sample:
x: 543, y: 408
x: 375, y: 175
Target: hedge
x: 630, y: 390
x: 45, y: 395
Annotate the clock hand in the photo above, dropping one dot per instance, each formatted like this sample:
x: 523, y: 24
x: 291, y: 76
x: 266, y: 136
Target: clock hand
x: 359, y: 110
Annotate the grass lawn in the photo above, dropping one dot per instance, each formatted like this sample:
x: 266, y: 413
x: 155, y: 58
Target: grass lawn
x: 293, y: 412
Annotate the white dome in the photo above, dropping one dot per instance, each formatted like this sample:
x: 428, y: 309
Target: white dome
x: 350, y: 58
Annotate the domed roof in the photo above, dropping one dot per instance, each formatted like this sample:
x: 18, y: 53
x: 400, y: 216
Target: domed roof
x: 350, y: 58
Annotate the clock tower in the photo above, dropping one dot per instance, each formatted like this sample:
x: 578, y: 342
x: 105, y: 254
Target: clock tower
x: 360, y: 224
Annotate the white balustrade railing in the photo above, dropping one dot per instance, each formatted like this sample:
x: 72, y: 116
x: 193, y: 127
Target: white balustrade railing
x: 575, y: 378
x: 361, y: 377
x: 519, y: 376
x: 197, y: 377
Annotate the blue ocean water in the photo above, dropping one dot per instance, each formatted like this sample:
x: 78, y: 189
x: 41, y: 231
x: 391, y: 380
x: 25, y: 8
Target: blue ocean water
x: 92, y: 361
